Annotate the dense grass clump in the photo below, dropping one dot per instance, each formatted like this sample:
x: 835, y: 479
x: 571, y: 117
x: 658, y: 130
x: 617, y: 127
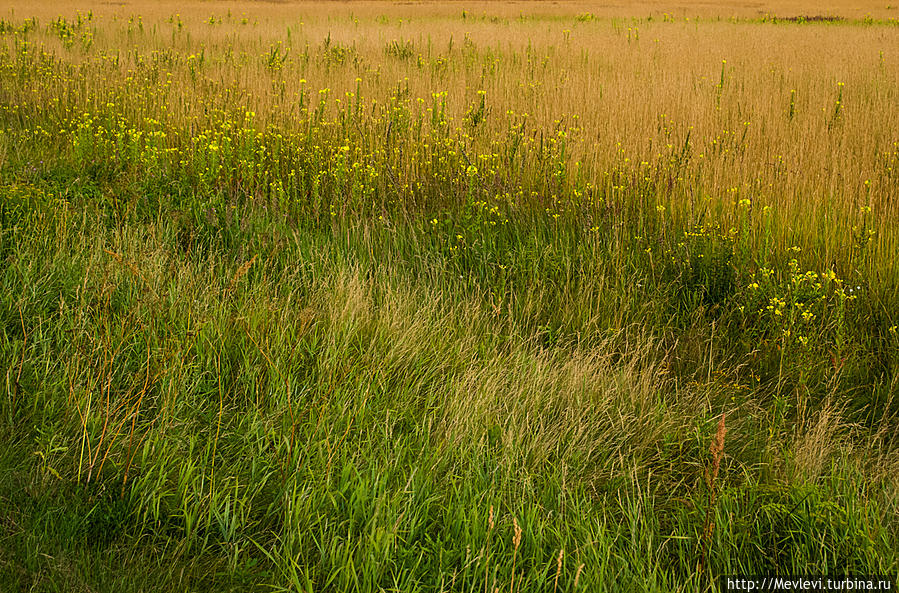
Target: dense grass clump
x: 432, y: 320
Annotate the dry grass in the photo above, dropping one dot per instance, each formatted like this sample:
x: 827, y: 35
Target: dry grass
x: 505, y: 9
x: 713, y: 112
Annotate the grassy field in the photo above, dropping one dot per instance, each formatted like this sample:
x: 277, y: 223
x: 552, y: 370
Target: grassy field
x: 499, y: 296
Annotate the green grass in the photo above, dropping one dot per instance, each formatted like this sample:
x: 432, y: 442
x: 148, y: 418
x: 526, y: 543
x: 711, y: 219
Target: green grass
x: 291, y: 372
x: 345, y: 414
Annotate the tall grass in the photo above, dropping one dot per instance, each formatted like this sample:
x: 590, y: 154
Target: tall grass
x: 401, y: 298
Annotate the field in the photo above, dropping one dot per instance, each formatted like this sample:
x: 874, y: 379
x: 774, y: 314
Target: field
x: 413, y: 296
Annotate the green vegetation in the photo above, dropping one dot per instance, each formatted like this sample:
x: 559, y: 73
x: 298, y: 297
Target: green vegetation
x: 380, y: 342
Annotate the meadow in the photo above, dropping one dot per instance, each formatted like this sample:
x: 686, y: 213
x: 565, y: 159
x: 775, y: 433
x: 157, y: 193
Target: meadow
x: 414, y: 296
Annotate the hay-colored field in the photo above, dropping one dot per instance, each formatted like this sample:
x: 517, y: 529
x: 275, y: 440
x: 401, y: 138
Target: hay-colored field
x: 719, y: 100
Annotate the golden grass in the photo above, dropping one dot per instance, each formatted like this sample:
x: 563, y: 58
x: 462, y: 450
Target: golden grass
x: 749, y: 108
x: 509, y: 9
